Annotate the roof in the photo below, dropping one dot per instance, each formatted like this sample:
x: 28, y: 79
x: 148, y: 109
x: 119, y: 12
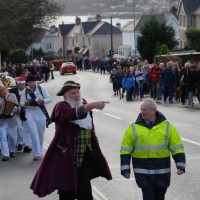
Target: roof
x: 88, y: 26
x: 190, y: 6
x: 139, y: 22
x: 65, y: 28
x: 144, y: 18
x: 105, y: 29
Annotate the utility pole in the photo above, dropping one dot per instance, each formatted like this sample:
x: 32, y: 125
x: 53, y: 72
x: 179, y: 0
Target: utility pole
x: 63, y: 35
x: 111, y: 38
x: 134, y: 28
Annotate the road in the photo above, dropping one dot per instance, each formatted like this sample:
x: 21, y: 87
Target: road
x: 17, y: 174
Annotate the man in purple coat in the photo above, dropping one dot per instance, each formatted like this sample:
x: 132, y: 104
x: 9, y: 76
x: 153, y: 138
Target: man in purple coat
x: 74, y: 156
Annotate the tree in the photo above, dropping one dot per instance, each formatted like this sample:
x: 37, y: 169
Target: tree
x: 17, y: 56
x: 193, y: 39
x: 23, y: 21
x: 152, y: 34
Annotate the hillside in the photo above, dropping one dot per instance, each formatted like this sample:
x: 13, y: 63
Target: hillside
x: 73, y: 7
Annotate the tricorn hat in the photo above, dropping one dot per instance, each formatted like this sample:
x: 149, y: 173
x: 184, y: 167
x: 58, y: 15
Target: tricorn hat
x: 67, y: 86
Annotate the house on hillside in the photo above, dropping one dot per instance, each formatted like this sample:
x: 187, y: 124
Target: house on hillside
x: 90, y: 38
x: 131, y: 31
x: 49, y: 42
x: 189, y: 17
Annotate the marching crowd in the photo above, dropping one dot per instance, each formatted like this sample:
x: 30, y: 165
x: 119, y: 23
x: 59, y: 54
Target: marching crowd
x: 161, y: 82
x: 23, y: 116
x: 22, y: 126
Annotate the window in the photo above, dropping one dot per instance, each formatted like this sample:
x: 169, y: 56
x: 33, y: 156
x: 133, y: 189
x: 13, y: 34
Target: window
x: 48, y: 46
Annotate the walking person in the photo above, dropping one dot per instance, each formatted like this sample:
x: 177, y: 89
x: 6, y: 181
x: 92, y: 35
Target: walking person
x: 155, y: 77
x: 190, y: 80
x: 8, y: 124
x: 23, y: 133
x: 52, y: 68
x: 74, y: 156
x: 150, y: 141
x: 169, y: 82
x: 139, y: 76
x: 33, y: 98
x: 128, y: 83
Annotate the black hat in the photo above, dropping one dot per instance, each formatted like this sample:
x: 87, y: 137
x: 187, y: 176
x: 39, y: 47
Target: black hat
x: 30, y: 78
x: 67, y: 86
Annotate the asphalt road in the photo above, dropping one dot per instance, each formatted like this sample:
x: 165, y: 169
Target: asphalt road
x: 17, y: 174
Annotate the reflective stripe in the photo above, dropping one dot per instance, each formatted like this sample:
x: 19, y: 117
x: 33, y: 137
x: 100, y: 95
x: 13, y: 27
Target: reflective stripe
x: 124, y: 167
x: 152, y: 171
x: 151, y: 147
x: 130, y: 150
x: 180, y: 146
x: 180, y: 164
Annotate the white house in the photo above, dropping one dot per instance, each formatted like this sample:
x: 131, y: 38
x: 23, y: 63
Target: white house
x: 131, y: 31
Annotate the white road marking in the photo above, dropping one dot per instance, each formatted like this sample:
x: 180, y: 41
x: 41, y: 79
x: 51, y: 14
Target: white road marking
x: 112, y: 116
x: 99, y: 193
x: 190, y: 141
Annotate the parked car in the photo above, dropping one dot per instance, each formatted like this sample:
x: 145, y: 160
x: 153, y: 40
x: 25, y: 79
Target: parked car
x: 68, y: 67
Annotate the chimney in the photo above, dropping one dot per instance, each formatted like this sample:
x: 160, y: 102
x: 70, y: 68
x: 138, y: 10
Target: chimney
x: 118, y: 25
x: 98, y: 17
x: 77, y: 21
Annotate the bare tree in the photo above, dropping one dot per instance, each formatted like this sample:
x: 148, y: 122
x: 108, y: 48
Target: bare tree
x: 24, y: 21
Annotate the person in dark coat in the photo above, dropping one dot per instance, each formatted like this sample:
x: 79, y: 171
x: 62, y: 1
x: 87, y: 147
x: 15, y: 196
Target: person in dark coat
x: 74, y: 156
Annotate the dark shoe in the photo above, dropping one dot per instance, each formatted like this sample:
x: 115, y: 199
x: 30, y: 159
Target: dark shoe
x: 27, y: 149
x: 36, y: 158
x: 170, y: 101
x: 12, y: 154
x: 5, y: 158
x: 19, y: 147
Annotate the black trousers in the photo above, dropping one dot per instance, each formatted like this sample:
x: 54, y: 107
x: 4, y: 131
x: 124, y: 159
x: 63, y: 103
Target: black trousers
x: 85, y: 173
x: 153, y: 193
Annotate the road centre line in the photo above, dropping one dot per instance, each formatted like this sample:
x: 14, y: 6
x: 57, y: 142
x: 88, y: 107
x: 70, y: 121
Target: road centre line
x: 112, y: 116
x: 190, y: 141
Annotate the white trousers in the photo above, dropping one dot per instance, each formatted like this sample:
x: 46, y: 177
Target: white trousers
x: 23, y: 133
x: 8, y: 139
x: 37, y: 124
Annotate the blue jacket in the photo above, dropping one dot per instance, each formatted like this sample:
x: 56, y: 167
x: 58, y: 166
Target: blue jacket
x: 128, y: 81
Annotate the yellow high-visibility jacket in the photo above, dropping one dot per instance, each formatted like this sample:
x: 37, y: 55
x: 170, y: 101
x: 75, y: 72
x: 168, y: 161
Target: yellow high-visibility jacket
x: 150, y: 147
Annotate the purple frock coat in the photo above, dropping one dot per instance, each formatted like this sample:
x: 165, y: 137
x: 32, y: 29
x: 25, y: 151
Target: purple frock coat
x: 58, y: 170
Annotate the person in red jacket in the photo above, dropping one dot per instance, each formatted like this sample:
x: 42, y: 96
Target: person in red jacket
x: 155, y: 76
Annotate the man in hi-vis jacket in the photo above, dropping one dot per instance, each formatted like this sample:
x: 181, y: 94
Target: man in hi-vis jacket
x: 150, y: 141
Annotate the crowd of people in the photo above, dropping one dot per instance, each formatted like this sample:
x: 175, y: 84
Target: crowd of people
x: 23, y: 115
x: 168, y: 82
x: 72, y: 160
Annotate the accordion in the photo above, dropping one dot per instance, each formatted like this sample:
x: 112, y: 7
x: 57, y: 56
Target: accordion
x: 6, y: 108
